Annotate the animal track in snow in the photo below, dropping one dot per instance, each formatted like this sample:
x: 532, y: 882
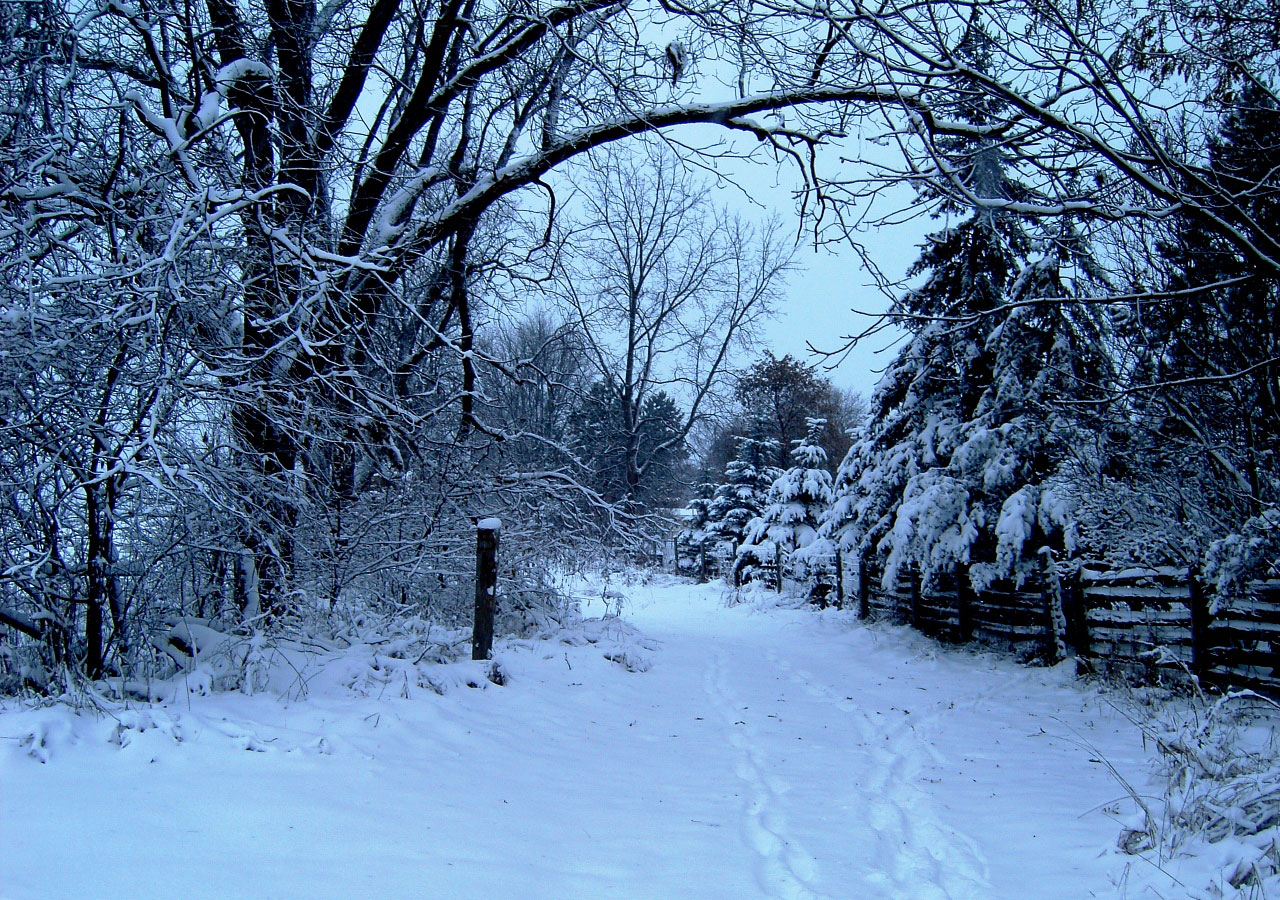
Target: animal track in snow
x: 785, y: 871
x: 915, y: 854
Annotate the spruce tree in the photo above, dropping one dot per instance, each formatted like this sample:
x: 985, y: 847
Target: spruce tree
x: 1214, y: 363
x: 1207, y: 366
x: 691, y: 539
x: 741, y: 497
x: 794, y: 507
x: 960, y: 465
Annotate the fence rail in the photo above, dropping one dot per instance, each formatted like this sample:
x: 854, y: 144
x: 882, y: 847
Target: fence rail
x: 1137, y: 622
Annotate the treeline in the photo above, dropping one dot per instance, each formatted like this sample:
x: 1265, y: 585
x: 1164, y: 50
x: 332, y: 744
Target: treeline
x: 1110, y: 398
x: 267, y: 330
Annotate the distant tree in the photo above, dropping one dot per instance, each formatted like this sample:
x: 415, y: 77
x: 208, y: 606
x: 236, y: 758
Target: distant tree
x: 743, y: 493
x: 695, y: 534
x: 665, y: 288
x: 640, y: 466
x: 781, y: 394
x: 785, y: 393
x: 794, y: 506
x: 534, y: 396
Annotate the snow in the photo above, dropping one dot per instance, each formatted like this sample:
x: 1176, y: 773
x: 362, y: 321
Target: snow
x: 687, y: 749
x: 490, y: 524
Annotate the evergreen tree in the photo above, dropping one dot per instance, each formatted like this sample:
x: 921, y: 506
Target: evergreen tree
x: 743, y: 494
x: 640, y: 466
x: 785, y: 394
x: 795, y: 503
x: 1215, y: 413
x: 695, y: 534
x: 1196, y: 475
x: 963, y: 460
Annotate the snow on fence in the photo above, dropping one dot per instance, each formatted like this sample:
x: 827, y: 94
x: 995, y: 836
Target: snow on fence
x: 1135, y: 618
x: 1133, y: 622
x: 1003, y: 615
x: 1162, y: 617
x: 1136, y: 622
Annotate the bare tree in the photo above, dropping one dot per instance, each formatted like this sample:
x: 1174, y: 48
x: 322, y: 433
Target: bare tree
x: 302, y: 199
x: 664, y: 288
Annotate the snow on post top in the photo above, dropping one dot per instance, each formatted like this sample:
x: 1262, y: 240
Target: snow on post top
x: 490, y: 524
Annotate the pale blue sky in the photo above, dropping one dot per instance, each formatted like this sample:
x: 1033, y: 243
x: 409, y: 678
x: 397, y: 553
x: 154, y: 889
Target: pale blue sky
x: 830, y: 281
x: 820, y: 303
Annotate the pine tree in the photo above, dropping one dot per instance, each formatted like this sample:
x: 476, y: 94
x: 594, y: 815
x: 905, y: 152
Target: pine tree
x: 743, y: 494
x: 639, y: 467
x: 1226, y: 428
x: 960, y: 464
x: 694, y: 536
x: 1209, y: 459
x: 794, y: 506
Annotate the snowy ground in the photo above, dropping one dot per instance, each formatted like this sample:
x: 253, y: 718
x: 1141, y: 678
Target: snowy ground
x: 776, y: 753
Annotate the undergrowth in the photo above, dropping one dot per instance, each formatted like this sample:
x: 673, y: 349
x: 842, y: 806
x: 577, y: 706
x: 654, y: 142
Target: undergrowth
x: 1219, y: 799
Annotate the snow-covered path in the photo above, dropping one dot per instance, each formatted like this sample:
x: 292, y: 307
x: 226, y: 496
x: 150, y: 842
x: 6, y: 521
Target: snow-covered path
x: 766, y: 753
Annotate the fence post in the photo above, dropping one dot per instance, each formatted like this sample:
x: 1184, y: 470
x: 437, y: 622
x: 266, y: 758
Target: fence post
x: 839, y: 579
x: 1201, y: 622
x: 487, y: 531
x: 777, y: 564
x: 914, y: 579
x: 864, y: 598
x: 964, y: 605
x: 1054, y: 621
x: 1076, y: 612
x: 702, y: 565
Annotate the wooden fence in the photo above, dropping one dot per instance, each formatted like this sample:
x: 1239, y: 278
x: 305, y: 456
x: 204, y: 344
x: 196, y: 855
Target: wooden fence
x: 1139, y: 622
x: 1005, y: 615
x: 1134, y: 622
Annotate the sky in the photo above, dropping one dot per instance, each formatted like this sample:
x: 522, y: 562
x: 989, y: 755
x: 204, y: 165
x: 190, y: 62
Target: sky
x: 831, y: 295
x: 820, y: 312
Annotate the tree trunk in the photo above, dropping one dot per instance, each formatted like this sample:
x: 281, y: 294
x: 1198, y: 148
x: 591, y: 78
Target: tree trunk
x: 839, y: 579
x: 96, y: 575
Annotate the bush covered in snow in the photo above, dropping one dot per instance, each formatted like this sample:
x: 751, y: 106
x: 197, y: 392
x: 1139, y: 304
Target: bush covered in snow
x: 794, y: 506
x: 1220, y: 804
x: 1253, y: 552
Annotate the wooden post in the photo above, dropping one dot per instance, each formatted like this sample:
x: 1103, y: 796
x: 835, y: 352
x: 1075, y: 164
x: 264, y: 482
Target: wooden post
x: 1054, y: 624
x: 839, y: 579
x: 964, y: 605
x: 487, y: 531
x: 1076, y: 611
x: 1201, y: 621
x: 914, y: 579
x: 864, y: 597
x: 777, y: 563
x: 702, y: 568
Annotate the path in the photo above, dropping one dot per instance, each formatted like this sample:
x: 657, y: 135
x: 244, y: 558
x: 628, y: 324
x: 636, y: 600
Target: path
x: 765, y: 754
